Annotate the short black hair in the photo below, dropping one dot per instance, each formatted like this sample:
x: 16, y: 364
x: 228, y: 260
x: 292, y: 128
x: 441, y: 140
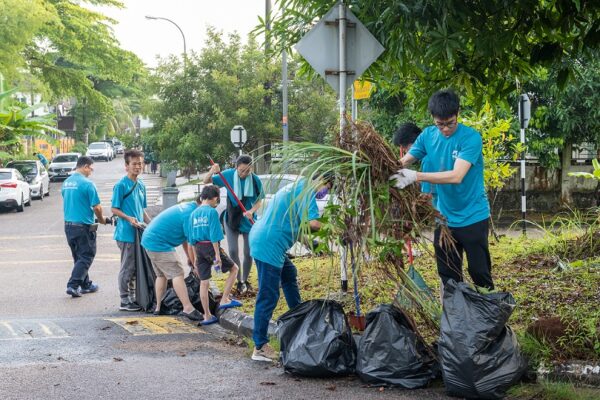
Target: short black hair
x: 35, y: 154
x: 406, y: 134
x: 84, y: 161
x: 243, y: 159
x: 132, y: 153
x: 327, y: 177
x: 209, y: 192
x: 444, y: 104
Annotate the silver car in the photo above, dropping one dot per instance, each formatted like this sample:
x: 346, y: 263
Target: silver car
x: 63, y: 165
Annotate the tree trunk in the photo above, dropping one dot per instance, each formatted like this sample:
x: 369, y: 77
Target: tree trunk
x: 565, y: 189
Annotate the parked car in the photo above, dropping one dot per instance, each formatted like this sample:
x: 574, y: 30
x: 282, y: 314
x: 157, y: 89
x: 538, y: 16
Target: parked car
x: 119, y: 149
x: 63, y: 165
x: 14, y: 189
x: 271, y: 184
x: 35, y: 174
x: 112, y: 146
x: 100, y: 150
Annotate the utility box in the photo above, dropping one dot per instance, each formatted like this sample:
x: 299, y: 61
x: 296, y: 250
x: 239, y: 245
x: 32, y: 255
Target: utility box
x: 169, y: 197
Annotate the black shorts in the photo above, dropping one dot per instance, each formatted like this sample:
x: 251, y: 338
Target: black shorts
x: 205, y: 256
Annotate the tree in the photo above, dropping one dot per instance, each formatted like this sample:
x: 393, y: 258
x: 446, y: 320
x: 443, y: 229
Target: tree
x: 223, y: 86
x: 481, y: 46
x: 16, y: 123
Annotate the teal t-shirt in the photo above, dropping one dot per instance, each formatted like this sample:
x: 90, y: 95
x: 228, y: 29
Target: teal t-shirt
x: 79, y: 196
x: 278, y: 228
x: 133, y: 205
x: 169, y: 229
x: 204, y: 225
x: 426, y: 187
x: 465, y: 203
x: 248, y: 202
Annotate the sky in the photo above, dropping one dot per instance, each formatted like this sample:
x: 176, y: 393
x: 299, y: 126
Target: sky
x: 149, y: 38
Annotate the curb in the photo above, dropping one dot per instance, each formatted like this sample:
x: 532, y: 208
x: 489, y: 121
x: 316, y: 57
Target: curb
x: 574, y: 371
x: 241, y: 323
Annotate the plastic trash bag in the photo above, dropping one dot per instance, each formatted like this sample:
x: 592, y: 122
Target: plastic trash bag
x: 390, y: 353
x: 479, y: 353
x: 171, y: 305
x: 316, y: 340
x: 144, y: 276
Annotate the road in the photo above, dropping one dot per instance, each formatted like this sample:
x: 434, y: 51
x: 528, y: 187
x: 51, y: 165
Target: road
x: 55, y: 347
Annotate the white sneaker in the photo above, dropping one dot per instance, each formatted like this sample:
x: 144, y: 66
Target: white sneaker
x: 266, y: 353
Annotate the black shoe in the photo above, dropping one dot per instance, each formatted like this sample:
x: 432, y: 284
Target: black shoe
x: 249, y: 287
x: 90, y: 289
x: 128, y: 306
x: 74, y: 292
x: 239, y: 287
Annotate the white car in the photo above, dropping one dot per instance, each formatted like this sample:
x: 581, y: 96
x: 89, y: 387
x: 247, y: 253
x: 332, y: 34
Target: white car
x: 14, y: 189
x: 63, y: 165
x: 271, y: 184
x: 35, y: 174
x: 99, y: 150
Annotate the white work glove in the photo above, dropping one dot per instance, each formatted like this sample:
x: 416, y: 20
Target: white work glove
x: 404, y: 177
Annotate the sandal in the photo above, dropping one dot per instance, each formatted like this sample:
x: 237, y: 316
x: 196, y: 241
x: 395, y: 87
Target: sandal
x: 194, y: 315
x: 212, y: 320
x: 232, y: 303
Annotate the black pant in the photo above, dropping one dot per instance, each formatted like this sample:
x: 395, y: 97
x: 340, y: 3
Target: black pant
x: 473, y: 239
x: 83, y: 248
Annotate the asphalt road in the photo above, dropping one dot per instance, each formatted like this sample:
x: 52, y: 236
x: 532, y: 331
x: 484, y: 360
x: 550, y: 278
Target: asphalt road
x: 55, y: 347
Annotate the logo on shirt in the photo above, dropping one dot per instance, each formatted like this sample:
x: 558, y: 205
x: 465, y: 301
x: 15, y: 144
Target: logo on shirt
x: 454, y: 155
x: 70, y: 185
x: 200, y: 221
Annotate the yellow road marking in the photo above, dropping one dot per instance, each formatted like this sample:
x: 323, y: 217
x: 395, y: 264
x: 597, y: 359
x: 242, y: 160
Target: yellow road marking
x: 162, y: 325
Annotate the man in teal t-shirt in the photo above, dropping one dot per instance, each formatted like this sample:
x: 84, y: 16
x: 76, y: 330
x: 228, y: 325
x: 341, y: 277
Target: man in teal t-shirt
x: 80, y: 203
x: 248, y: 188
x: 456, y: 151
x: 270, y: 239
x: 129, y: 203
x: 165, y: 232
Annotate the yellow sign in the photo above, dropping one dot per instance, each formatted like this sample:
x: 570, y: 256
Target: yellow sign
x: 362, y: 90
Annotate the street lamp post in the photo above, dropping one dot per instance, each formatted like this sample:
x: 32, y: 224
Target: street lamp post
x: 182, y: 35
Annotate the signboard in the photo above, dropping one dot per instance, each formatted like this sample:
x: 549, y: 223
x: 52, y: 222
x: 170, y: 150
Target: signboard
x: 239, y: 137
x: 321, y: 48
x: 362, y: 90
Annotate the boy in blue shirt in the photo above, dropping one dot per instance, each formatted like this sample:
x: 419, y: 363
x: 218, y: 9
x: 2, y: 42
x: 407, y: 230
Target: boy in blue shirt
x: 270, y: 239
x: 80, y: 203
x: 456, y: 151
x: 129, y: 203
x: 248, y: 189
x: 205, y: 233
x: 165, y: 232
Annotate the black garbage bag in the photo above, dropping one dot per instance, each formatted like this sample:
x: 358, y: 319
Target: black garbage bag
x: 479, y: 353
x: 316, y: 340
x: 171, y: 305
x: 144, y: 276
x: 390, y: 352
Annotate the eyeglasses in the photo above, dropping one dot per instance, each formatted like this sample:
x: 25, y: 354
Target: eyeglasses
x: 449, y: 124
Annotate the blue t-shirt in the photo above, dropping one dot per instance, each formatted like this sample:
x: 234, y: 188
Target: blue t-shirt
x: 426, y: 187
x: 133, y: 206
x: 275, y: 233
x: 204, y: 225
x: 169, y: 229
x: 42, y: 159
x: 248, y: 202
x: 79, y: 196
x: 464, y: 203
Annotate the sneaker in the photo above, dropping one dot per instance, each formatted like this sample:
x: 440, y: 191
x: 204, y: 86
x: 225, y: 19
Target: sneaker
x: 129, y: 306
x: 265, y: 353
x: 239, y: 287
x: 249, y: 287
x: 90, y: 289
x: 74, y: 292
